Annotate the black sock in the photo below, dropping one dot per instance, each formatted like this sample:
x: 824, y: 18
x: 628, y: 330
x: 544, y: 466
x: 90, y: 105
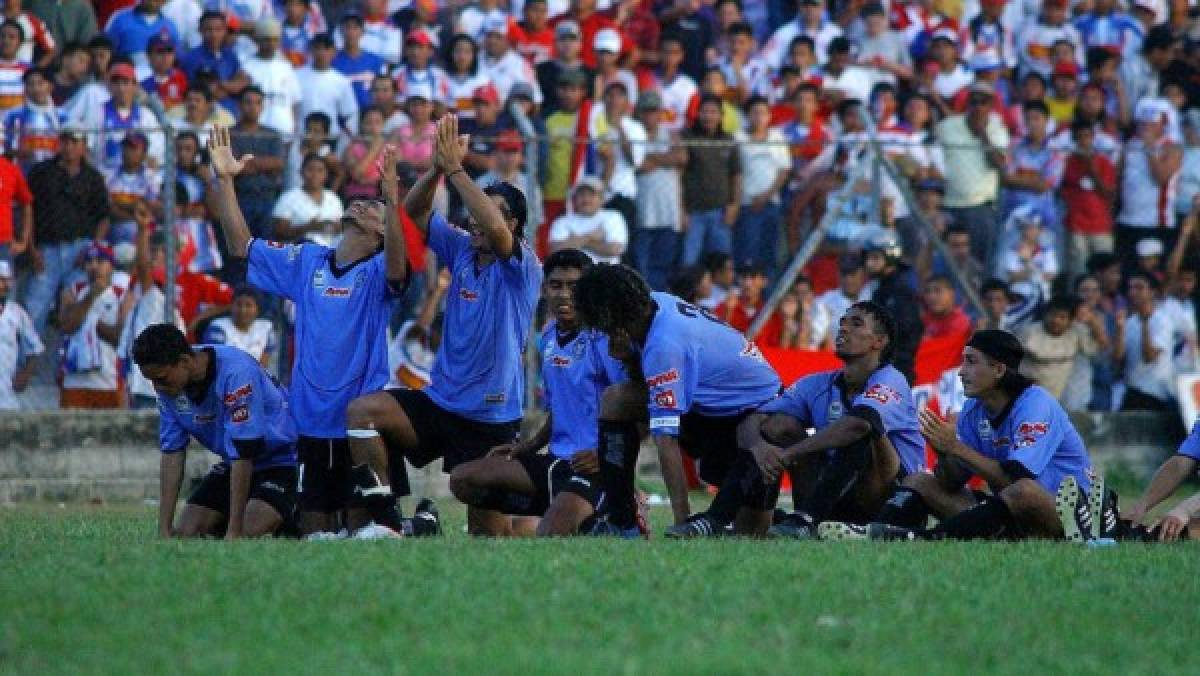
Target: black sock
x: 378, y: 499
x: 906, y: 508
x: 743, y: 487
x: 618, y: 452
x: 990, y: 519
x: 837, y: 478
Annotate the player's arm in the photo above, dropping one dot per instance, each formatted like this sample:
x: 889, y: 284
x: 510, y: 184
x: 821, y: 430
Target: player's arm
x: 394, y: 252
x: 1169, y: 477
x: 842, y: 432
x: 670, y: 462
x: 170, y: 478
x: 239, y: 494
x: 951, y: 473
x: 419, y: 200
x: 233, y: 222
x: 451, y: 148
x: 535, y: 441
x: 942, y: 437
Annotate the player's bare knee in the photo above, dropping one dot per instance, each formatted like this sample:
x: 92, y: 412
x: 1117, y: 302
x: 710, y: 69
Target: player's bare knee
x: 921, y: 482
x: 362, y: 412
x: 464, y: 484
x: 1021, y: 495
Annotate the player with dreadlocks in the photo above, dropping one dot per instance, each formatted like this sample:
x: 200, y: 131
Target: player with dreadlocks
x: 702, y: 378
x: 867, y: 436
x: 475, y: 400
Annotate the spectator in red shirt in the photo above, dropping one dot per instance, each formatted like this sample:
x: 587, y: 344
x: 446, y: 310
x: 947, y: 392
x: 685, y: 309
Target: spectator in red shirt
x: 533, y: 38
x: 1088, y: 187
x: 167, y: 80
x: 942, y: 316
x: 13, y: 189
x: 742, y: 305
x: 583, y: 12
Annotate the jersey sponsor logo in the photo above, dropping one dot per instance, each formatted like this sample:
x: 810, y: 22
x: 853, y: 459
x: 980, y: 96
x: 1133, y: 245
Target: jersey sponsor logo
x: 1028, y: 433
x: 560, y: 361
x: 1001, y: 442
x: 664, y: 422
x: 665, y: 399
x: 337, y: 292
x: 318, y: 279
x: 984, y: 428
x: 468, y: 295
x: 240, y: 414
x: 293, y: 252
x: 882, y: 393
x: 835, y: 410
x: 751, y: 350
x: 240, y: 393
x: 495, y: 398
x: 274, y: 245
x: 664, y: 378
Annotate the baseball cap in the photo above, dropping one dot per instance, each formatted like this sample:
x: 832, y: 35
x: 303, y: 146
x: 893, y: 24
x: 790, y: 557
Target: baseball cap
x: 566, y: 29
x: 985, y: 62
x: 160, y: 41
x: 1065, y: 68
x: 487, y: 93
x: 945, y: 34
x: 649, y: 100
x: 1149, y: 246
x: 496, y: 24
x: 1148, y: 5
x: 419, y: 37
x: 268, y: 28
x: 123, y: 70
x: 509, y: 141
x: 607, y: 40
x: 590, y: 182
x: 101, y: 251
x: 72, y: 132
x: 135, y: 138
x: 419, y: 90
x: 6, y: 270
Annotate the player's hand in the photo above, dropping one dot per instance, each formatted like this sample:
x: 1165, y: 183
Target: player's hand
x: 389, y: 181
x: 443, y: 280
x: 939, y: 433
x: 449, y: 147
x: 220, y: 153
x: 1171, y: 525
x: 508, y: 451
x: 1135, y: 513
x: 769, y: 460
x: 586, y: 462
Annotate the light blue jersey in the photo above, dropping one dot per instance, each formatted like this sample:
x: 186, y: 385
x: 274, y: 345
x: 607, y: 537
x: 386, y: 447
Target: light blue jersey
x: 886, y: 402
x: 478, y: 371
x: 240, y: 402
x: 1035, y: 432
x: 695, y: 363
x: 341, y: 327
x: 575, y: 373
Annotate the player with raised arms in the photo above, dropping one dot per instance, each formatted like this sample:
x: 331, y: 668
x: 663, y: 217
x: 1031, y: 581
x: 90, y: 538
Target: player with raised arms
x: 1012, y: 433
x: 702, y: 378
x: 343, y: 299
x: 221, y: 397
x: 475, y: 400
x: 867, y: 437
x: 564, y: 484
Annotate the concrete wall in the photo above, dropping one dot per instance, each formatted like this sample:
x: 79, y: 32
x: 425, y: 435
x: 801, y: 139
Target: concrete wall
x: 112, y: 455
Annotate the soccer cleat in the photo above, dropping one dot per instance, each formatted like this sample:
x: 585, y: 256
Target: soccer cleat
x: 697, y: 526
x: 1110, y: 516
x: 605, y: 528
x: 1096, y: 499
x: 324, y: 535
x: 375, y: 531
x: 425, y: 521
x: 794, y: 526
x: 842, y: 531
x: 1073, y: 513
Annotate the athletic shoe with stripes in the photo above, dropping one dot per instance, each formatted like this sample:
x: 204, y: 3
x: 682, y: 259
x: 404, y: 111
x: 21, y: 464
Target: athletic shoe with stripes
x: 794, y: 526
x: 1073, y: 512
x: 697, y: 526
x: 376, y: 531
x: 842, y: 531
x: 425, y: 521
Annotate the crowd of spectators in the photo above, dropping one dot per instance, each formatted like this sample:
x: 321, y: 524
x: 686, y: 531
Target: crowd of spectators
x: 1042, y: 163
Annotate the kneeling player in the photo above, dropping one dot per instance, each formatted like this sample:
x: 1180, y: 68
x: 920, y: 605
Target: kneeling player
x: 867, y: 437
x: 576, y: 370
x: 1182, y: 522
x: 703, y: 377
x: 223, y: 398
x: 1012, y: 433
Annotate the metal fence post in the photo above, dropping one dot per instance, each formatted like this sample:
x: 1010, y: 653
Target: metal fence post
x: 168, y: 220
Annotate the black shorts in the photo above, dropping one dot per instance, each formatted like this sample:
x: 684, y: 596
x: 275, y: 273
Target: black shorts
x: 446, y: 435
x: 275, y: 486
x: 712, y: 441
x: 324, y: 485
x: 552, y: 475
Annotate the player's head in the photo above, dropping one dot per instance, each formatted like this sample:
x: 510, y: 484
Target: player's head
x: 163, y: 354
x: 867, y: 328
x: 615, y: 300
x: 562, y: 271
x: 364, y: 219
x: 991, y: 361
x: 511, y: 202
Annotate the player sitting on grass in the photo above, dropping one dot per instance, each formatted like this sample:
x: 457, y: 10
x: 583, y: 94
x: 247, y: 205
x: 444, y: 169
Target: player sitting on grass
x: 223, y: 398
x: 474, y: 402
x: 576, y: 369
x: 343, y: 299
x: 1012, y: 433
x: 867, y: 437
x: 703, y: 378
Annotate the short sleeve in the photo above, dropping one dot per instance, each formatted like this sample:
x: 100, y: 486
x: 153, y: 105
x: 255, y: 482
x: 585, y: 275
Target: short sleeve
x: 276, y: 267
x: 1191, y: 446
x: 283, y: 207
x: 244, y: 414
x: 21, y: 193
x: 612, y: 372
x: 796, y: 401
x: 885, y: 396
x: 446, y: 241
x: 615, y: 229
x: 172, y: 438
x: 671, y: 377
x: 1037, y: 432
x: 966, y: 429
x: 214, y: 335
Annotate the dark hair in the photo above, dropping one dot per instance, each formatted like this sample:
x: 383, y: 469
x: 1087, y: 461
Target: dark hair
x: 202, y: 90
x: 1096, y: 57
x: 802, y: 40
x: 994, y: 284
x: 320, y: 118
x: 453, y: 42
x: 187, y: 134
x: 885, y: 325
x: 372, y: 108
x: 210, y: 14
x: 311, y: 157
x: 1144, y: 275
x: 755, y: 101
x: 705, y: 100
x: 807, y: 86
x: 1079, y: 124
x: 941, y: 278
x: 840, y: 44
x: 252, y: 89
x: 714, y: 261
x: 610, y: 297
x: 686, y: 282
x: 515, y: 200
x: 247, y: 290
x: 43, y: 73
x: 1101, y: 260
x: 10, y: 23
x: 1035, y: 106
x: 353, y: 17
x: 160, y: 345
x: 741, y: 28
x: 566, y: 258
x: 845, y: 106
x: 1191, y: 263
x: 101, y: 41
x: 956, y: 229
x: 671, y: 37
x: 322, y: 40
x: 72, y: 48
x: 1067, y: 304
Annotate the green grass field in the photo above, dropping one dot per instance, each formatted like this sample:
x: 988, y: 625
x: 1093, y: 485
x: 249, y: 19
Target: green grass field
x: 90, y: 590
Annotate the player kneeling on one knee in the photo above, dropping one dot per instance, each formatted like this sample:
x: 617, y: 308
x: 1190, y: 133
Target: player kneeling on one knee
x: 1012, y: 433
x: 1181, y: 522
x: 223, y: 398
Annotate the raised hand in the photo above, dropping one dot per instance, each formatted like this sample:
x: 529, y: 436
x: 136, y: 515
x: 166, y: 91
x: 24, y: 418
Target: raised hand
x: 450, y: 148
x: 938, y: 432
x: 221, y: 153
x: 389, y: 181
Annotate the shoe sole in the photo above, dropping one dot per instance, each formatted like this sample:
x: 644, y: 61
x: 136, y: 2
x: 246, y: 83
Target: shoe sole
x: 1096, y: 507
x: 836, y: 531
x: 1065, y: 502
x: 776, y: 533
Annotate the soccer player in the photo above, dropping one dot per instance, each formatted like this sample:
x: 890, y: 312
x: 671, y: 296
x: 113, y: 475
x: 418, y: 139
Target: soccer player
x: 702, y: 377
x: 576, y: 370
x: 221, y: 397
x: 1012, y: 433
x: 867, y: 437
x: 1182, y: 522
x: 343, y: 300
x: 474, y: 402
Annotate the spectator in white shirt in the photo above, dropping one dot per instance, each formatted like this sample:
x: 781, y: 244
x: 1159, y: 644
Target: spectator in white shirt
x: 19, y: 342
x: 1143, y: 347
x: 91, y: 314
x: 276, y: 78
x: 310, y: 211
x: 325, y: 89
x: 621, y: 146
x: 1030, y: 263
x: 766, y: 167
x: 243, y: 328
x: 852, y: 288
x: 503, y: 65
x: 600, y: 233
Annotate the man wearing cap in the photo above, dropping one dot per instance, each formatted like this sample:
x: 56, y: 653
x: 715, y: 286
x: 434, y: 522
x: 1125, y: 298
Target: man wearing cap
x: 355, y: 63
x: 276, y: 78
x: 810, y: 21
x: 212, y: 54
x: 418, y: 68
x: 600, y: 233
x: 1035, y: 42
x: 1149, y: 174
x: 19, y: 342
x: 129, y: 184
x: 483, y: 129
x: 90, y: 316
x: 502, y: 65
x: 165, y: 80
x: 120, y: 115
x: 131, y: 28
x: 506, y: 168
x: 325, y: 89
x: 72, y: 211
x: 1012, y: 433
x: 587, y: 22
x: 567, y: 50
x: 953, y: 75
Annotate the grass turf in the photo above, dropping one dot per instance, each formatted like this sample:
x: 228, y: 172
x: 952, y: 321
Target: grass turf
x: 90, y: 590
